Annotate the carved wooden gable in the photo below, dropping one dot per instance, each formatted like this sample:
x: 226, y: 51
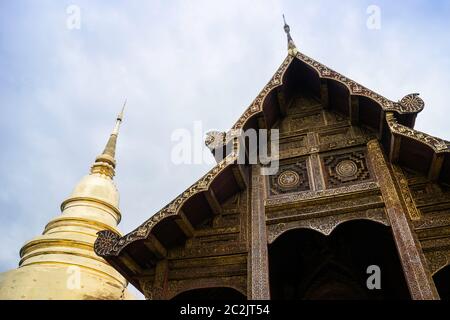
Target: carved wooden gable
x: 319, y: 149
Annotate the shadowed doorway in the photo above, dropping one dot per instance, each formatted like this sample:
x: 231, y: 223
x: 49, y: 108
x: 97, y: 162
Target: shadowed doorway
x: 305, y: 264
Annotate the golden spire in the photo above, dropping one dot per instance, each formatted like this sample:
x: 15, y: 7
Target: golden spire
x: 61, y: 263
x: 106, y: 162
x: 292, y: 49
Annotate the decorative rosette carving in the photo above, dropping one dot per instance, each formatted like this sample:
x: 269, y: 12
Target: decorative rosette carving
x: 412, y: 103
x: 105, y: 241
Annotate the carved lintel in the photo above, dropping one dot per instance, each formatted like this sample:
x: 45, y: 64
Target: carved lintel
x: 416, y: 271
x: 213, y: 202
x: 435, y: 167
x: 325, y: 224
x: 155, y: 246
x: 237, y: 282
x: 240, y: 176
x: 354, y: 110
x: 324, y: 93
x: 184, y: 224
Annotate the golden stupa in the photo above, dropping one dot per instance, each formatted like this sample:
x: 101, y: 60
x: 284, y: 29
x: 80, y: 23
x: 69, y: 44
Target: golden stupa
x: 61, y: 263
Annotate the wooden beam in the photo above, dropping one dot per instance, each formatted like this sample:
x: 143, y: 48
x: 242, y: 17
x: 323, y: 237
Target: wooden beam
x: 324, y: 97
x: 240, y: 176
x: 435, y: 167
x: 394, y: 152
x: 354, y: 110
x: 158, y: 288
x: 185, y: 225
x: 213, y: 202
x: 129, y: 262
x: 155, y: 246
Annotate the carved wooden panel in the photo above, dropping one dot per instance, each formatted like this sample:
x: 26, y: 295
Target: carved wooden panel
x: 346, y: 168
x: 292, y: 177
x: 304, y: 122
x: 293, y: 146
x: 325, y: 224
x: 334, y: 135
x: 332, y: 117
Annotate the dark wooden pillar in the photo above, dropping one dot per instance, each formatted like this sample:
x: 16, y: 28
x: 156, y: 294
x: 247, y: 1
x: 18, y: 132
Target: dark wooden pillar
x: 417, y: 275
x: 258, y: 262
x: 157, y: 290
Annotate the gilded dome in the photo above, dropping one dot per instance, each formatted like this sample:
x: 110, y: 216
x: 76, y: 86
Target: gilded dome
x: 97, y: 186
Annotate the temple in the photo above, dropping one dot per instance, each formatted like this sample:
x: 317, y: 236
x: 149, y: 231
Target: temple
x: 359, y: 194
x: 358, y: 208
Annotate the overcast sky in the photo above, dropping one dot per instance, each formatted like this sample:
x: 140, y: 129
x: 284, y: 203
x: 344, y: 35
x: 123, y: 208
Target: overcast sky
x: 177, y: 62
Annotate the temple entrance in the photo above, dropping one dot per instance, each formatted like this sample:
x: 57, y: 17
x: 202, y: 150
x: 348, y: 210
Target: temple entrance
x: 305, y: 264
x: 221, y: 293
x: 442, y: 282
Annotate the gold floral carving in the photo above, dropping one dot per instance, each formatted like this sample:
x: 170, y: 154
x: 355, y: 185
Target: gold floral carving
x: 413, y: 212
x: 309, y: 195
x: 438, y: 145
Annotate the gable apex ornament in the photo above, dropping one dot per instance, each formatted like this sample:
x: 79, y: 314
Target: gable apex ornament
x: 292, y: 49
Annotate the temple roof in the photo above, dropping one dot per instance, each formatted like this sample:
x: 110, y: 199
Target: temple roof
x: 392, y: 122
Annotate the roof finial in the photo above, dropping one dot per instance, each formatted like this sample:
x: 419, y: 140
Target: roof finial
x: 292, y: 49
x: 120, y: 116
x: 119, y: 119
x: 106, y: 162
